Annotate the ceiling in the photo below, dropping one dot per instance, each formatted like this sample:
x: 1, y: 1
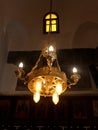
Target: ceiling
x: 22, y: 23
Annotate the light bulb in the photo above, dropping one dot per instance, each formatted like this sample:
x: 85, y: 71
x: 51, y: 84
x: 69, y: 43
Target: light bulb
x: 74, y: 70
x: 38, y: 85
x: 21, y: 65
x: 36, y: 97
x: 59, y: 88
x: 55, y: 98
x: 51, y: 48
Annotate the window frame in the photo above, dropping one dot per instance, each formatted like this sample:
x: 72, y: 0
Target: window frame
x: 56, y: 19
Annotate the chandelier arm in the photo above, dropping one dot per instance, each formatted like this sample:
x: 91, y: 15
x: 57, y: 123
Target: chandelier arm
x: 72, y: 83
x: 36, y: 65
x: 20, y: 74
x: 73, y: 80
x: 58, y: 65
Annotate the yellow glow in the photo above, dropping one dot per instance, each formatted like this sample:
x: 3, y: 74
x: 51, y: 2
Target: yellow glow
x: 59, y: 88
x: 48, y: 22
x: 36, y: 97
x: 38, y: 85
x: 55, y: 98
x: 50, y: 16
x: 53, y: 22
x: 47, y: 28
x: 53, y: 28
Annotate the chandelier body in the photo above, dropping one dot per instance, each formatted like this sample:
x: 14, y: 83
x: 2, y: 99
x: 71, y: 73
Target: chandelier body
x: 46, y: 78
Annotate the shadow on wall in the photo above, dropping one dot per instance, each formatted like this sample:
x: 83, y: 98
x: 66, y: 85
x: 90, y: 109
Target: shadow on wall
x: 86, y: 34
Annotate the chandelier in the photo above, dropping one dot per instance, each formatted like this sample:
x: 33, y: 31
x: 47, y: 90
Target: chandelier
x: 46, y: 78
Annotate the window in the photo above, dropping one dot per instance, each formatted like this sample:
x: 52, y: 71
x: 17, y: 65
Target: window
x: 51, y: 23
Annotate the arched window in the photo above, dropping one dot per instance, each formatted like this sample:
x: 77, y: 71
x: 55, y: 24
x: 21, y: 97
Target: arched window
x: 51, y: 23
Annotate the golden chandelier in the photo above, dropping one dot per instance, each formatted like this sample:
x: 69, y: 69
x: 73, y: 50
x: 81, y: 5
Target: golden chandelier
x: 46, y: 78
